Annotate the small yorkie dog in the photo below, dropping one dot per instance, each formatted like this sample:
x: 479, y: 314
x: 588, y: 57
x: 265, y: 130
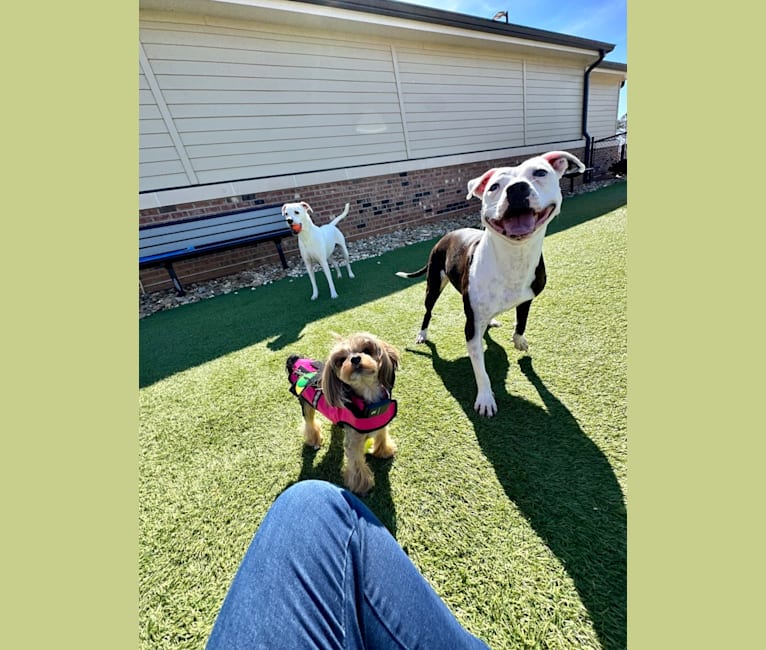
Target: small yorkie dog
x: 353, y: 389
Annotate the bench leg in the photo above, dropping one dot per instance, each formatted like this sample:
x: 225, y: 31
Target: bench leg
x: 278, y: 243
x: 176, y: 282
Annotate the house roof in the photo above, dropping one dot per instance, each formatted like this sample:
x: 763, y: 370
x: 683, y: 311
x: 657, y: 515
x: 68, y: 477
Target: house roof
x: 392, y: 12
x: 613, y: 65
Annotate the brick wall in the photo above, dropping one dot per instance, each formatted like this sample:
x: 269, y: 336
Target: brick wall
x: 378, y: 205
x: 603, y: 159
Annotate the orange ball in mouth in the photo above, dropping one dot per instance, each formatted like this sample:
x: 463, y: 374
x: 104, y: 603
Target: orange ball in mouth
x: 296, y: 228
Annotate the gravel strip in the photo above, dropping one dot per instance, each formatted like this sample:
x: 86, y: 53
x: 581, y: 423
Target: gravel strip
x: 150, y: 303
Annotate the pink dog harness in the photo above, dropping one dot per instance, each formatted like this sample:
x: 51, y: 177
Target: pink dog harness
x: 364, y: 418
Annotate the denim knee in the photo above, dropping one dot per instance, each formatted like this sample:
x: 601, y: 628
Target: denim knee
x: 318, y: 493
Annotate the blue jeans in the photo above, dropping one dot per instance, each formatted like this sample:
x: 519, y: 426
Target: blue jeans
x: 323, y: 572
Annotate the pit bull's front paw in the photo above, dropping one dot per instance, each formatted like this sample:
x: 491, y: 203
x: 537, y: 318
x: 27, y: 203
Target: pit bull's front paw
x: 422, y: 336
x: 520, y: 342
x: 485, y: 404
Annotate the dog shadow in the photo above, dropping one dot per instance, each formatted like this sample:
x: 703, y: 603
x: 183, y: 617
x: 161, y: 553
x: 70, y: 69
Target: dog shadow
x: 559, y: 479
x: 329, y: 468
x: 174, y: 340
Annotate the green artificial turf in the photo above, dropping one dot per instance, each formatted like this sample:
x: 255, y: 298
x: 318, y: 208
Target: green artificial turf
x: 518, y: 521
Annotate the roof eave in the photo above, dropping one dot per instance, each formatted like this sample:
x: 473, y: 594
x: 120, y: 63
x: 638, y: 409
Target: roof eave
x: 392, y: 10
x: 418, y: 13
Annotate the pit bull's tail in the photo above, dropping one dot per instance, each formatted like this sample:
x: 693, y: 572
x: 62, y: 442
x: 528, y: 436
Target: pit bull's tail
x: 414, y: 274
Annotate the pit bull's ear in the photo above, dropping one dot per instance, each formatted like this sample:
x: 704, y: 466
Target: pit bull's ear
x: 284, y: 209
x: 306, y: 206
x: 477, y: 186
x: 563, y: 161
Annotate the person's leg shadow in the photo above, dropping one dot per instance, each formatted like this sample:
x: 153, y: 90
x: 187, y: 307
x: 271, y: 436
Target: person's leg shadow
x: 330, y: 468
x: 559, y: 479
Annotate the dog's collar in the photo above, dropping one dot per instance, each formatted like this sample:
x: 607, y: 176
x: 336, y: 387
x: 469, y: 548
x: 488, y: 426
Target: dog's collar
x: 363, y: 417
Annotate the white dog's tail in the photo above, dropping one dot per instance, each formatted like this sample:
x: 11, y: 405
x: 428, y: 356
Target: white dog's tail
x: 335, y: 221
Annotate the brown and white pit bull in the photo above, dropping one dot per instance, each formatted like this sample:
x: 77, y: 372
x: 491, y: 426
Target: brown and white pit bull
x: 501, y: 266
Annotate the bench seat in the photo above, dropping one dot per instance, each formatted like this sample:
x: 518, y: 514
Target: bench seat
x: 163, y: 244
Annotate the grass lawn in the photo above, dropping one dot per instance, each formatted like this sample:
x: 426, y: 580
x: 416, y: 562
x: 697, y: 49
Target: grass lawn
x: 518, y: 521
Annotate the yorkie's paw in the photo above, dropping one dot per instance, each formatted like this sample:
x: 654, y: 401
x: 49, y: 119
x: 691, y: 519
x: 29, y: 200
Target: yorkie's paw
x: 312, y: 435
x: 359, y: 479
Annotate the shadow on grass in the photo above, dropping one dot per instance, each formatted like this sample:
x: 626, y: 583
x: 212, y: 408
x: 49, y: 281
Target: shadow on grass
x: 559, y: 479
x: 177, y: 339
x: 330, y: 469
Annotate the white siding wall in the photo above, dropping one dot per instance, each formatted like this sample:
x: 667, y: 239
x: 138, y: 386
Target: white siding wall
x: 245, y: 100
x: 458, y: 102
x: 602, y: 105
x: 249, y: 103
x: 553, y: 101
x: 159, y: 164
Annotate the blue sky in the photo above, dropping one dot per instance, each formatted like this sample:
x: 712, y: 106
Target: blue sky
x: 600, y: 20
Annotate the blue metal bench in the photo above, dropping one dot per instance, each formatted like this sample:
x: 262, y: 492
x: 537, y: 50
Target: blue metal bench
x: 163, y: 244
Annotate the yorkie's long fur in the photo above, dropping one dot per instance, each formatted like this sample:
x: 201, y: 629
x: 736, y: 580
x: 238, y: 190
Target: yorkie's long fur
x: 365, y: 365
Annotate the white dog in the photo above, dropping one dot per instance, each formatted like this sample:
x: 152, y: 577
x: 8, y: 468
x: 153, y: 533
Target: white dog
x: 501, y: 266
x: 316, y: 243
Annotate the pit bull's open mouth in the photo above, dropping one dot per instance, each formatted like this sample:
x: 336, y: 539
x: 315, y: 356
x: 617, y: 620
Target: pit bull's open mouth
x: 520, y: 224
x: 296, y: 228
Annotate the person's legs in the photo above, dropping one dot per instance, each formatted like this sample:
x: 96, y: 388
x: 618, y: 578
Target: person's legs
x: 322, y: 572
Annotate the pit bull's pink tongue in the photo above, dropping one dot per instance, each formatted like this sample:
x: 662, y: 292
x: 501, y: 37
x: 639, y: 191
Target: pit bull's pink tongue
x: 522, y: 224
